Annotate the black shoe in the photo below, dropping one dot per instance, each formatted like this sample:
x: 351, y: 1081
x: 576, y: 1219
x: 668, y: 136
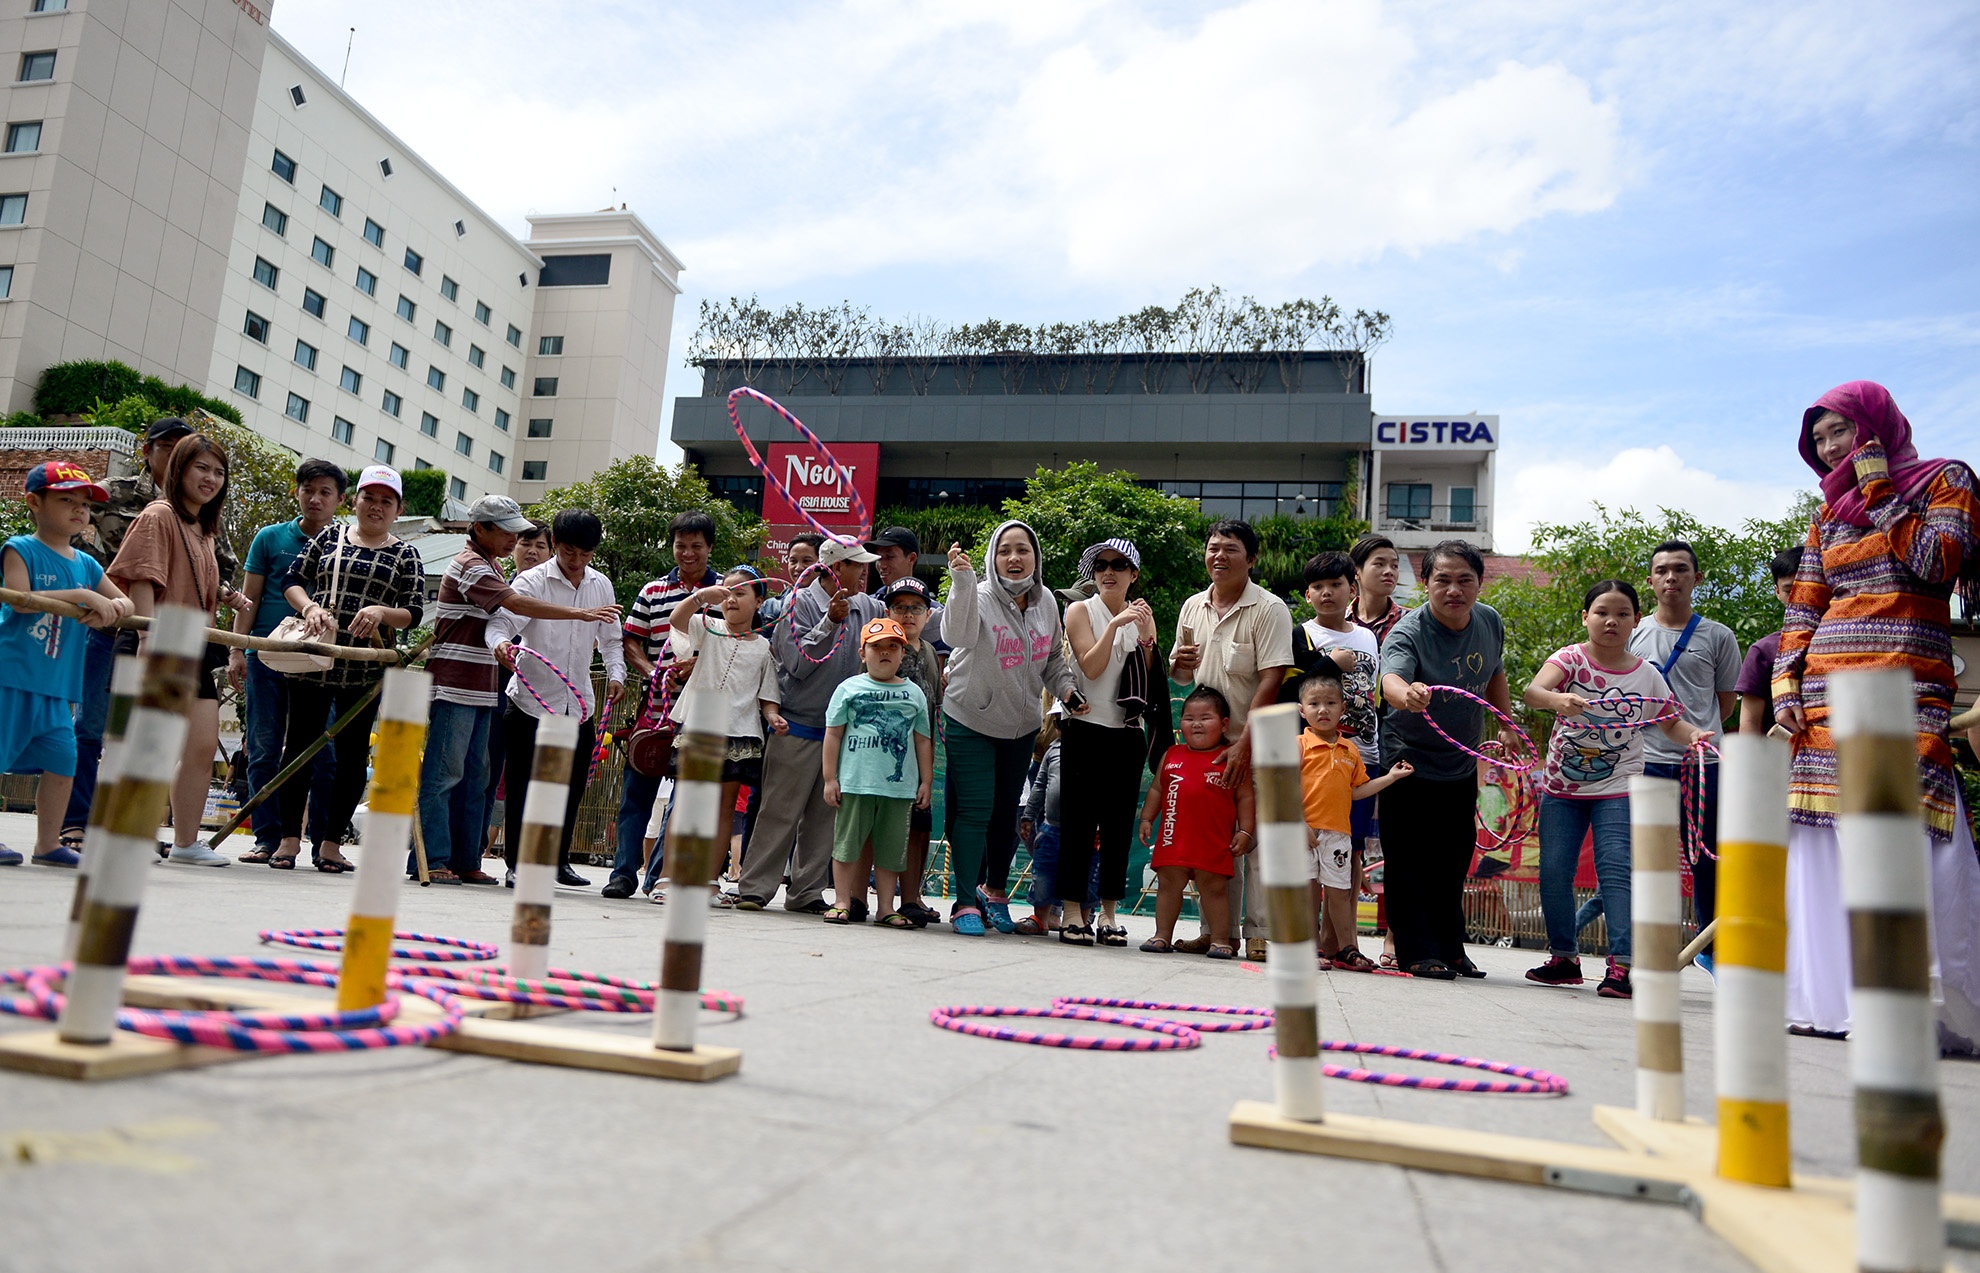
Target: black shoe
x: 509, y: 878
x: 856, y: 910
x: 816, y: 906
x: 618, y: 886
x: 1615, y: 982
x: 1465, y: 968
x: 1557, y: 971
x: 746, y: 903
x: 1432, y: 969
x: 571, y: 879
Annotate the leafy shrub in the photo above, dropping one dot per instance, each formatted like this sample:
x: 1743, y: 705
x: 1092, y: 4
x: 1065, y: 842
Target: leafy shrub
x: 77, y: 388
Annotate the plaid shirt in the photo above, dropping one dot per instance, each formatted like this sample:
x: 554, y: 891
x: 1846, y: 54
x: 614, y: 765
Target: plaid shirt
x: 388, y: 576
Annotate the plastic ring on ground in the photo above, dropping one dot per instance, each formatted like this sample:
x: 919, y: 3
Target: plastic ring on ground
x: 1522, y: 1080
x: 454, y: 949
x: 1251, y: 1018
x: 1170, y: 1036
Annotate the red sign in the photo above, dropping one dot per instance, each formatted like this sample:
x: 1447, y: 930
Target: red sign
x: 817, y: 488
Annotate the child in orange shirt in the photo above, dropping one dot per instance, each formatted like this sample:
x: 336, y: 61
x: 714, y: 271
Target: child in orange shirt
x: 1332, y: 778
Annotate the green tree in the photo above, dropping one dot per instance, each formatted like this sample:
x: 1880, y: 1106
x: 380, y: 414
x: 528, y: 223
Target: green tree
x: 1543, y: 613
x: 636, y: 498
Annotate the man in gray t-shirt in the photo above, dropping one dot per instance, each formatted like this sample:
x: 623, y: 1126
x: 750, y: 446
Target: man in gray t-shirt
x: 1421, y: 649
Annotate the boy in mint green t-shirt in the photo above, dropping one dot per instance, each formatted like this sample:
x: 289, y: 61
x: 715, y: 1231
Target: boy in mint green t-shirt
x: 879, y: 764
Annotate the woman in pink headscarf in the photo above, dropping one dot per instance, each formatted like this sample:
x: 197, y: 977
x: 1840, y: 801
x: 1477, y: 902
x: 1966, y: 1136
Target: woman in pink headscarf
x: 1894, y: 538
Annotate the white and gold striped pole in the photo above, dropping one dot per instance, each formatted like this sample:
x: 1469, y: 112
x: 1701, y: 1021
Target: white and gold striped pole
x: 536, y: 856
x: 695, y: 836
x: 125, y: 850
x: 1750, y: 1013
x: 1291, y: 971
x: 1656, y: 930
x: 1893, y: 1048
x: 125, y: 673
x: 393, y: 801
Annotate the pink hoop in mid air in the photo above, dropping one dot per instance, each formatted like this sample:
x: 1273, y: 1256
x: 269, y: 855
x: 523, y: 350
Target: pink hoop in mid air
x: 1516, y: 764
x: 819, y: 448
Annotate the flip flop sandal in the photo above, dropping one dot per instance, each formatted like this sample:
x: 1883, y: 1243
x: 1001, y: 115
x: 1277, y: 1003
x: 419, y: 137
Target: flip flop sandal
x: 1156, y: 946
x: 895, y: 920
x: 337, y: 866
x: 1220, y: 951
x: 256, y: 856
x: 280, y: 863
x: 1389, y: 962
x: 837, y: 915
x: 1028, y: 927
x: 921, y: 916
x: 73, y: 839
x: 1352, y: 960
x: 1432, y: 969
x: 1193, y: 945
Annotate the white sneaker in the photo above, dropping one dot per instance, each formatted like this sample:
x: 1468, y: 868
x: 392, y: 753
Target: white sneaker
x: 198, y: 855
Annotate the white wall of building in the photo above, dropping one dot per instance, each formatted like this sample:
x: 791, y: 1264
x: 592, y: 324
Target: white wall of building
x: 1431, y: 478
x: 335, y: 143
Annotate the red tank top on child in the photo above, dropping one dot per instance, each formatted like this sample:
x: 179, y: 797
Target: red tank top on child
x: 1199, y: 815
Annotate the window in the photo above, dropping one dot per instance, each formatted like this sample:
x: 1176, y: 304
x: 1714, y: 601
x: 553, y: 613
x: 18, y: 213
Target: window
x: 460, y: 229
x: 591, y: 270
x: 477, y: 356
x: 421, y: 465
x: 398, y: 355
x: 247, y: 382
x: 383, y: 451
x: 48, y: 6
x: 296, y: 95
x: 37, y: 66
x: 6, y: 281
x: 359, y: 330
x: 313, y: 302
x: 406, y: 308
x: 1409, y: 500
x: 539, y: 427
x: 482, y: 313
x: 1464, y: 505
x: 298, y: 408
x: 374, y: 233
x: 429, y: 424
x: 255, y: 328
x: 549, y: 346
x: 443, y: 333
x: 13, y: 209
x: 367, y: 282
x: 351, y: 381
x: 23, y: 138
x: 546, y: 387
x: 331, y: 202
x: 322, y: 253
x: 502, y: 419
x: 470, y: 399
x: 435, y: 378
x: 495, y: 461
x: 283, y: 167
x: 342, y: 430
x: 265, y: 274
x: 414, y: 261
x: 391, y: 403
x: 535, y: 470
x: 456, y: 488
x: 508, y: 377
x: 515, y: 335
x: 385, y: 169
x: 274, y: 218
x: 305, y: 355
x: 449, y: 288
x: 464, y: 444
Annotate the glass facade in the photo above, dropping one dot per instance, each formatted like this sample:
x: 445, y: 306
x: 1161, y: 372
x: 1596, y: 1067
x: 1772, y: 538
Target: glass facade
x: 1255, y: 501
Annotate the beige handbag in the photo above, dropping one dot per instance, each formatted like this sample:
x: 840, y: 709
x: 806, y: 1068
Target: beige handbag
x: 294, y: 629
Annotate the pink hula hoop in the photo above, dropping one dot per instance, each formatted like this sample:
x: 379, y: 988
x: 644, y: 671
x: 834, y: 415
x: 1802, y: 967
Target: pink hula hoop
x: 1672, y: 710
x: 817, y: 447
x: 1514, y: 763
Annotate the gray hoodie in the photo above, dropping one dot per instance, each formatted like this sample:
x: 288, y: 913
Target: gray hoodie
x: 1003, y: 657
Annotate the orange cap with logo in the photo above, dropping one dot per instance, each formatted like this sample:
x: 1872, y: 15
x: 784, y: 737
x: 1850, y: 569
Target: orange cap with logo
x: 882, y: 630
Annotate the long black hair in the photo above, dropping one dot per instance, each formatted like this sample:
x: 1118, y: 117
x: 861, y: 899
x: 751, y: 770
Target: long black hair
x: 1607, y: 586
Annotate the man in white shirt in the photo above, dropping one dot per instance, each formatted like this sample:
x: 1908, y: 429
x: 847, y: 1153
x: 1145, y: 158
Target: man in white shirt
x: 567, y: 579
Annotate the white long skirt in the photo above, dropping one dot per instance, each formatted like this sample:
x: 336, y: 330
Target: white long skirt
x: 1818, y: 976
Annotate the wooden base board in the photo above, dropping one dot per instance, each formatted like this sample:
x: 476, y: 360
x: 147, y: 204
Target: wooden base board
x: 126, y: 1055
x: 588, y: 1050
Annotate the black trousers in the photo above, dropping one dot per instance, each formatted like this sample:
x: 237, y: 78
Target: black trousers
x: 519, y: 747
x: 1099, y: 794
x: 310, y: 704
x: 1429, y: 833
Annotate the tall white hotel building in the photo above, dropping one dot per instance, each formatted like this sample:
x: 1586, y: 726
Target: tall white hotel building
x: 182, y: 191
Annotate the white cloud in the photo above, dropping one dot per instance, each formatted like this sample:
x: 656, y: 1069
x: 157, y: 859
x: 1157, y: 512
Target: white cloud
x: 1532, y: 489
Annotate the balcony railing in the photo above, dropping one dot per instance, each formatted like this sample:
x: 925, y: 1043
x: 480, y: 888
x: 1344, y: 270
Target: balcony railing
x: 1432, y: 517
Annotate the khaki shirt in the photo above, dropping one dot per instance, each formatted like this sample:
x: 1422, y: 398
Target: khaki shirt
x: 130, y: 496
x: 1253, y: 637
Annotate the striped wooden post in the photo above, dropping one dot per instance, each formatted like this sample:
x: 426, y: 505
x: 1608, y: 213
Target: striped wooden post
x: 696, y: 834
x: 393, y: 802
x: 1656, y: 930
x: 1750, y: 1012
x: 154, y: 742
x: 125, y: 674
x: 1893, y: 1046
x: 1291, y: 971
x: 536, y: 856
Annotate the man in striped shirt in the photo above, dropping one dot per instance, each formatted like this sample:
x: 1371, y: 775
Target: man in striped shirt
x: 453, y: 779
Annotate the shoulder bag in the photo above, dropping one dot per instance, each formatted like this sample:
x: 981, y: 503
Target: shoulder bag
x: 290, y: 662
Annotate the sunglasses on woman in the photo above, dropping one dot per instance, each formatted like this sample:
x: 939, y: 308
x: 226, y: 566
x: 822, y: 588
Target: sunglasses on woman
x: 1111, y: 564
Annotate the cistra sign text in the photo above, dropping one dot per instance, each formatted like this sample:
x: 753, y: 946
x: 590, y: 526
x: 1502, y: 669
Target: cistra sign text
x: 1437, y: 433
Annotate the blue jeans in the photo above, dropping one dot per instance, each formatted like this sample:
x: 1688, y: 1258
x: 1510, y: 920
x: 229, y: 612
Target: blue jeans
x: 1045, y: 870
x: 453, y: 786
x: 265, y: 721
x: 92, y: 718
x: 1563, y: 825
x: 636, y: 795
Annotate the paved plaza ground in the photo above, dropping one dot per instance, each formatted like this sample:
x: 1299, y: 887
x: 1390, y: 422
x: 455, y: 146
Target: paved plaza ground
x: 856, y: 1136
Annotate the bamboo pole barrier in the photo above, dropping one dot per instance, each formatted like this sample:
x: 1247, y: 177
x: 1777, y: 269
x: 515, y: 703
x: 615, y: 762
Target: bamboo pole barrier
x: 125, y: 675
x: 218, y: 636
x: 1893, y: 1048
x: 1749, y: 1039
x: 154, y: 743
x: 696, y: 835
x: 1656, y: 920
x: 1698, y: 943
x: 394, y: 804
x: 1292, y: 969
x: 536, y: 855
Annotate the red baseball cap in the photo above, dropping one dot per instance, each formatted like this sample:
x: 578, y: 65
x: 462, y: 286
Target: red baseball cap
x: 60, y: 475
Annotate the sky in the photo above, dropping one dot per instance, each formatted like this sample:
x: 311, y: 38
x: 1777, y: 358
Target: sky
x: 1647, y: 236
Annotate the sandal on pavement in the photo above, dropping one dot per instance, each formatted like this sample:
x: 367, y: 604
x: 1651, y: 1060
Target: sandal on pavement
x: 1028, y: 927
x: 1219, y: 950
x: 334, y: 866
x: 281, y: 861
x: 1432, y: 969
x: 723, y: 901
x: 968, y: 921
x: 71, y: 839
x: 896, y: 920
x: 997, y: 910
x: 920, y: 915
x: 837, y: 915
x: 1157, y: 946
x: 477, y: 876
x: 1351, y: 959
x: 440, y: 875
x: 1389, y: 962
x: 1193, y: 945
x: 1111, y: 935
x: 253, y: 857
x: 1076, y: 935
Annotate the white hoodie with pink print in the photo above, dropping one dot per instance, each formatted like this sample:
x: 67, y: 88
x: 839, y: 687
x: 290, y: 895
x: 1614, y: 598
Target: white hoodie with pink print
x: 1002, y: 656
